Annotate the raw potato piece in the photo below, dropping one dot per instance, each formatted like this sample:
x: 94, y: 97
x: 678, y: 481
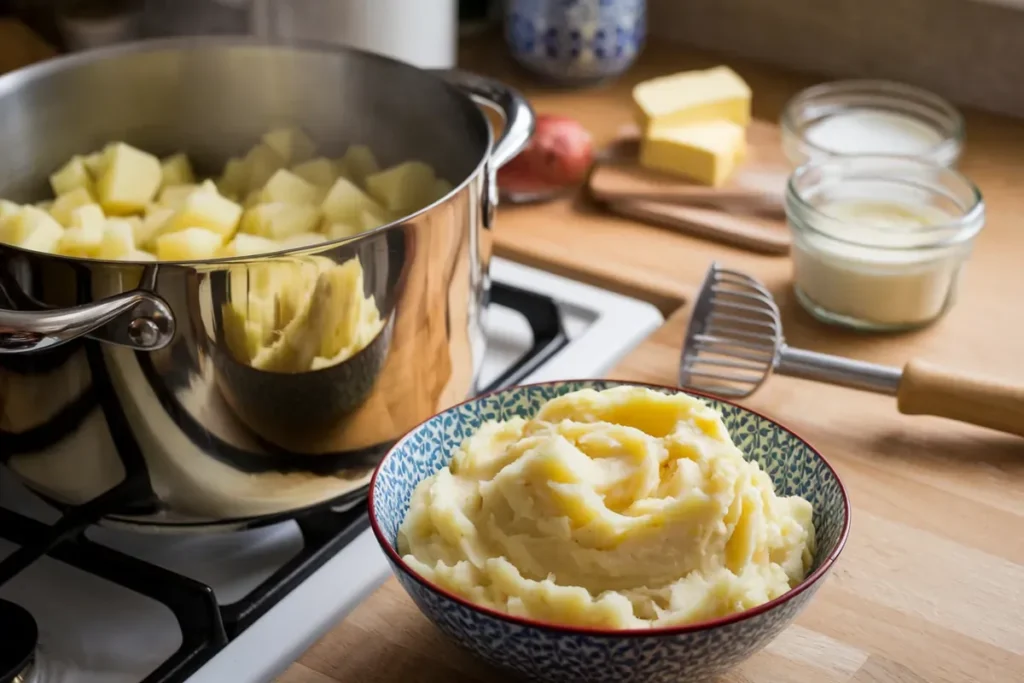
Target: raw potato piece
x: 441, y: 188
x: 68, y: 202
x: 279, y: 220
x: 94, y: 163
x: 174, y: 196
x: 118, y: 239
x: 31, y: 228
x: 7, y: 209
x: 260, y: 164
x: 321, y: 171
x: 358, y: 163
x: 291, y: 144
x: 340, y: 231
x: 129, y: 181
x: 139, y: 255
x: 176, y: 170
x: 84, y: 235
x: 152, y: 224
x: 303, y: 239
x: 71, y: 175
x: 247, y: 245
x: 188, y: 245
x: 234, y: 181
x: 403, y: 189
x: 285, y: 186
x: 205, y: 208
x: 345, y: 203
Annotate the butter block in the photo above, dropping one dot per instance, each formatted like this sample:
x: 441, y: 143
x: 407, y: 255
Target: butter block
x: 705, y: 152
x: 692, y: 97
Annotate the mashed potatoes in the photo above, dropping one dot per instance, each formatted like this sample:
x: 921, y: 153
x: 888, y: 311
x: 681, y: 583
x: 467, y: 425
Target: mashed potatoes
x: 625, y: 508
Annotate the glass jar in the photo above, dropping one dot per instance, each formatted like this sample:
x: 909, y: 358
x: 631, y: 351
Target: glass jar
x: 879, y: 241
x: 860, y: 117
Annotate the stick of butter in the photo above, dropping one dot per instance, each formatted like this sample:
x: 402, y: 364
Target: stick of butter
x: 692, y: 97
x: 705, y: 152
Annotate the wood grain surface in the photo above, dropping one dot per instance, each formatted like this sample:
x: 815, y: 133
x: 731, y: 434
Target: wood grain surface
x: 930, y: 588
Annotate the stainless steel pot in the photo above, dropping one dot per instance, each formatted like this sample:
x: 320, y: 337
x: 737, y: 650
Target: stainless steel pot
x: 118, y: 385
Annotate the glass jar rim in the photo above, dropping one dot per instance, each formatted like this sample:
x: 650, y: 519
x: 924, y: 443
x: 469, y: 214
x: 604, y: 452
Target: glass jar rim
x: 963, y: 228
x: 952, y: 135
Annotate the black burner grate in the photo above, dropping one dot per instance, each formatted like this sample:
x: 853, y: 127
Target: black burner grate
x: 207, y: 627
x: 18, y: 635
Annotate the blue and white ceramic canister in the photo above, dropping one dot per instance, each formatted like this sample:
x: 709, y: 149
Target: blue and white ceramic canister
x: 575, y: 41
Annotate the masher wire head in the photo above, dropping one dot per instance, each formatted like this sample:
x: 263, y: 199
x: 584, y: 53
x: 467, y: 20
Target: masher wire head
x: 734, y: 336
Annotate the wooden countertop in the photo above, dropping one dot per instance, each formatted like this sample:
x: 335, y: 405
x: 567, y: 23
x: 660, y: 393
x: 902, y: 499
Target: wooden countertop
x: 930, y: 588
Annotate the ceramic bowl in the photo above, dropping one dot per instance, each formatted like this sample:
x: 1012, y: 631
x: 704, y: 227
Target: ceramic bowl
x: 575, y: 42
x: 558, y: 654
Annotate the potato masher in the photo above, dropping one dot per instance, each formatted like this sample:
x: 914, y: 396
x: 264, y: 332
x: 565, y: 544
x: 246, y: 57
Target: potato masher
x: 734, y: 343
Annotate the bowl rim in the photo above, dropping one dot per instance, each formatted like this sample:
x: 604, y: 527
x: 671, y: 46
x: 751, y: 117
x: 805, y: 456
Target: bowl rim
x: 810, y: 580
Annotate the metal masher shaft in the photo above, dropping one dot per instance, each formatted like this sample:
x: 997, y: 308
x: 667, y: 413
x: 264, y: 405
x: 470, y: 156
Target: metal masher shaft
x: 844, y: 372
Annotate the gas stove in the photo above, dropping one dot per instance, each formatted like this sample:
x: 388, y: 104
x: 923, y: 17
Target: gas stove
x: 115, y: 606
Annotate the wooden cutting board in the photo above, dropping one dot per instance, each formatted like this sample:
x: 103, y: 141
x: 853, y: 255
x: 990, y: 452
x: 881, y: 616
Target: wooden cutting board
x: 746, y: 212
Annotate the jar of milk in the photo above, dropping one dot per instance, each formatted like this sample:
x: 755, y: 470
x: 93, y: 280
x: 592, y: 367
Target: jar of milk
x: 847, y: 118
x: 879, y: 241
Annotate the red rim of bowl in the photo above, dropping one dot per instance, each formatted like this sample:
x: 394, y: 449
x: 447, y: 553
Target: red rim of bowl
x: 808, y: 581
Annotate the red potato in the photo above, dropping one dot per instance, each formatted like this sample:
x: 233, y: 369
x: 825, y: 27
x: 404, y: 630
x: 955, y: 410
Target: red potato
x: 558, y: 155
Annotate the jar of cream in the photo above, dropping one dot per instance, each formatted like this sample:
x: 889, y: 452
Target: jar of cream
x: 879, y: 241
x: 858, y: 117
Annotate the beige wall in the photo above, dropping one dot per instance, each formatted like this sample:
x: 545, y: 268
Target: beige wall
x: 970, y: 52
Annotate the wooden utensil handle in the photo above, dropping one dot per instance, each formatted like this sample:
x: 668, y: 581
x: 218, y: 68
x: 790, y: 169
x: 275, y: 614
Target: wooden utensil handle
x: 741, y: 231
x: 926, y: 389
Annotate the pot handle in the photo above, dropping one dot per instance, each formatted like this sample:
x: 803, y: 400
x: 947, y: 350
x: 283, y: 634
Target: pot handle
x: 519, y: 116
x: 149, y: 329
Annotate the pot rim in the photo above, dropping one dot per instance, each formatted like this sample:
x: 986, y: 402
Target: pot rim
x: 13, y: 81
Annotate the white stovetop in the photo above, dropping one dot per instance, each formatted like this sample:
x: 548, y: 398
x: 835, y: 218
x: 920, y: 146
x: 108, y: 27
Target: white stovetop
x: 93, y: 631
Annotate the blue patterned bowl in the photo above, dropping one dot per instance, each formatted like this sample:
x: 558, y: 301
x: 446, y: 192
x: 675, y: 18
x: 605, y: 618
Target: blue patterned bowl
x: 557, y: 654
x: 575, y: 41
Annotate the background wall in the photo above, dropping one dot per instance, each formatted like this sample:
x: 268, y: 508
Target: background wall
x: 970, y: 52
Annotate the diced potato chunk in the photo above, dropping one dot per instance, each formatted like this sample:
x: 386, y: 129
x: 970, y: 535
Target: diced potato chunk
x: 279, y: 220
x: 207, y: 209
x: 189, y: 244
x: 94, y: 163
x: 284, y: 186
x: 152, y: 224
x: 253, y: 198
x: 139, y: 255
x: 8, y: 208
x: 31, y: 228
x: 291, y: 144
x: 441, y: 188
x: 345, y: 203
x: 321, y: 171
x: 246, y: 245
x: 371, y: 220
x: 71, y: 175
x: 84, y: 235
x: 339, y: 231
x: 260, y: 164
x: 303, y: 239
x: 404, y: 188
x: 118, y: 239
x: 234, y: 181
x: 174, y: 196
x: 69, y: 201
x: 358, y: 163
x: 129, y: 181
x: 176, y: 170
